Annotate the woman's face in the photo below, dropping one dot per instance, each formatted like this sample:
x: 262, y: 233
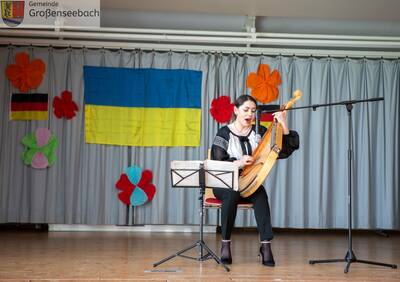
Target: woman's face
x: 245, y: 114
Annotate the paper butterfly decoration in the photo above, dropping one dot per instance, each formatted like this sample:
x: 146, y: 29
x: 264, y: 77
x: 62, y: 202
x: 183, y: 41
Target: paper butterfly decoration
x: 40, y: 148
x: 136, y: 187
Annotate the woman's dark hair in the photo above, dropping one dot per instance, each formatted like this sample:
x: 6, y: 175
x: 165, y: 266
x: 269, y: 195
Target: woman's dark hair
x: 242, y: 99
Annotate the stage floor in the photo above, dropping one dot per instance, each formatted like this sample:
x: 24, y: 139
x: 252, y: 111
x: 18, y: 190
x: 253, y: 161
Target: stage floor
x: 129, y: 256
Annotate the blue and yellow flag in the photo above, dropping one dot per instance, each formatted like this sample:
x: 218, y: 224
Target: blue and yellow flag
x: 142, y: 107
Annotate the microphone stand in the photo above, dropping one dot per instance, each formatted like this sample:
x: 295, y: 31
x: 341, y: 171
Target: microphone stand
x: 350, y: 256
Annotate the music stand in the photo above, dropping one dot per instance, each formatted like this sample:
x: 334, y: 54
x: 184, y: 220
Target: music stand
x: 199, y: 174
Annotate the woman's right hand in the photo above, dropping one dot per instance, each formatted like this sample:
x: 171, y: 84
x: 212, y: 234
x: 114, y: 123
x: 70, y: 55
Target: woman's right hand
x: 246, y: 160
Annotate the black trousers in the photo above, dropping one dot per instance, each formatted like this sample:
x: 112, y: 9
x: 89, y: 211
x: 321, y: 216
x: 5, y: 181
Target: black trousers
x: 230, y: 200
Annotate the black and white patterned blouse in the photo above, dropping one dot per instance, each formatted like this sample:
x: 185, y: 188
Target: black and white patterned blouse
x: 228, y: 146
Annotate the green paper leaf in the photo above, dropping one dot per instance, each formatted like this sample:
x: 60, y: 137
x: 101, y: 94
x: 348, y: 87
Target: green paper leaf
x: 30, y: 140
x: 51, y: 158
x: 27, y: 156
x: 53, y: 143
x: 50, y: 147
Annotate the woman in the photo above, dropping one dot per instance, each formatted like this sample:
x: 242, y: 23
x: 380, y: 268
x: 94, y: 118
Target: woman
x: 236, y: 142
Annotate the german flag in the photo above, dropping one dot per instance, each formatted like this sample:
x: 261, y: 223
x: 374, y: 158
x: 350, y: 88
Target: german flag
x: 25, y: 106
x: 266, y: 119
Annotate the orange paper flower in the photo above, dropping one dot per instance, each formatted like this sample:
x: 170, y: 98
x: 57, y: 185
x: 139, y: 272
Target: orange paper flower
x: 25, y: 75
x: 264, y: 84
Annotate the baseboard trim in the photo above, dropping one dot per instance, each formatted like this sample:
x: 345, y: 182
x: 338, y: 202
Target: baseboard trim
x: 131, y: 228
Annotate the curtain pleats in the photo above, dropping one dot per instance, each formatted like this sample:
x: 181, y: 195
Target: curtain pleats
x: 308, y: 190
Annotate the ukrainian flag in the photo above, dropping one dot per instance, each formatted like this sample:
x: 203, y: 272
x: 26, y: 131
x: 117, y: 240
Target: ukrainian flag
x: 142, y: 107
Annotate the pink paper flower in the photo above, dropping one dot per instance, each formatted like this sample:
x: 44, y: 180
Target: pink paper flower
x: 40, y: 148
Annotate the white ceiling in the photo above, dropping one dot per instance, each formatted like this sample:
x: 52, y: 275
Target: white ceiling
x: 362, y: 10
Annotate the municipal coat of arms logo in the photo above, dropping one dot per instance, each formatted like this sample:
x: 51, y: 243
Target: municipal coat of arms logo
x: 12, y: 12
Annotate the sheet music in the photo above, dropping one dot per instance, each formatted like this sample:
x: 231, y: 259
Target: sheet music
x: 218, y: 174
x: 185, y: 173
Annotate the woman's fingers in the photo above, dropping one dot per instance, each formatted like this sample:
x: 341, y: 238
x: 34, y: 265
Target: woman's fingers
x: 247, y: 160
x: 280, y: 117
x: 277, y: 115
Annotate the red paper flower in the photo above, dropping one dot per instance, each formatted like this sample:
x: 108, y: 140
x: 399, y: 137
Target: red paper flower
x: 64, y: 106
x: 136, y: 186
x: 264, y: 84
x: 222, y: 109
x: 25, y: 75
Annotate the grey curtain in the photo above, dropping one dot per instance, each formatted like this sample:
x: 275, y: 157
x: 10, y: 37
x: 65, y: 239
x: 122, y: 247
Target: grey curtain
x: 308, y: 190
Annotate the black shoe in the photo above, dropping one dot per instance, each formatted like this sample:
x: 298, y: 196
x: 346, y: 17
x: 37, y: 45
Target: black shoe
x: 267, y: 258
x: 226, y: 257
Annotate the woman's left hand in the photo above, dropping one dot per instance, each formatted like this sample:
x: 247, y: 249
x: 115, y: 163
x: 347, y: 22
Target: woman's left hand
x: 281, y: 118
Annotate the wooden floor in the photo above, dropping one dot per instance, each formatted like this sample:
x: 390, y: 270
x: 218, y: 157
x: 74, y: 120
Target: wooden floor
x: 129, y: 256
